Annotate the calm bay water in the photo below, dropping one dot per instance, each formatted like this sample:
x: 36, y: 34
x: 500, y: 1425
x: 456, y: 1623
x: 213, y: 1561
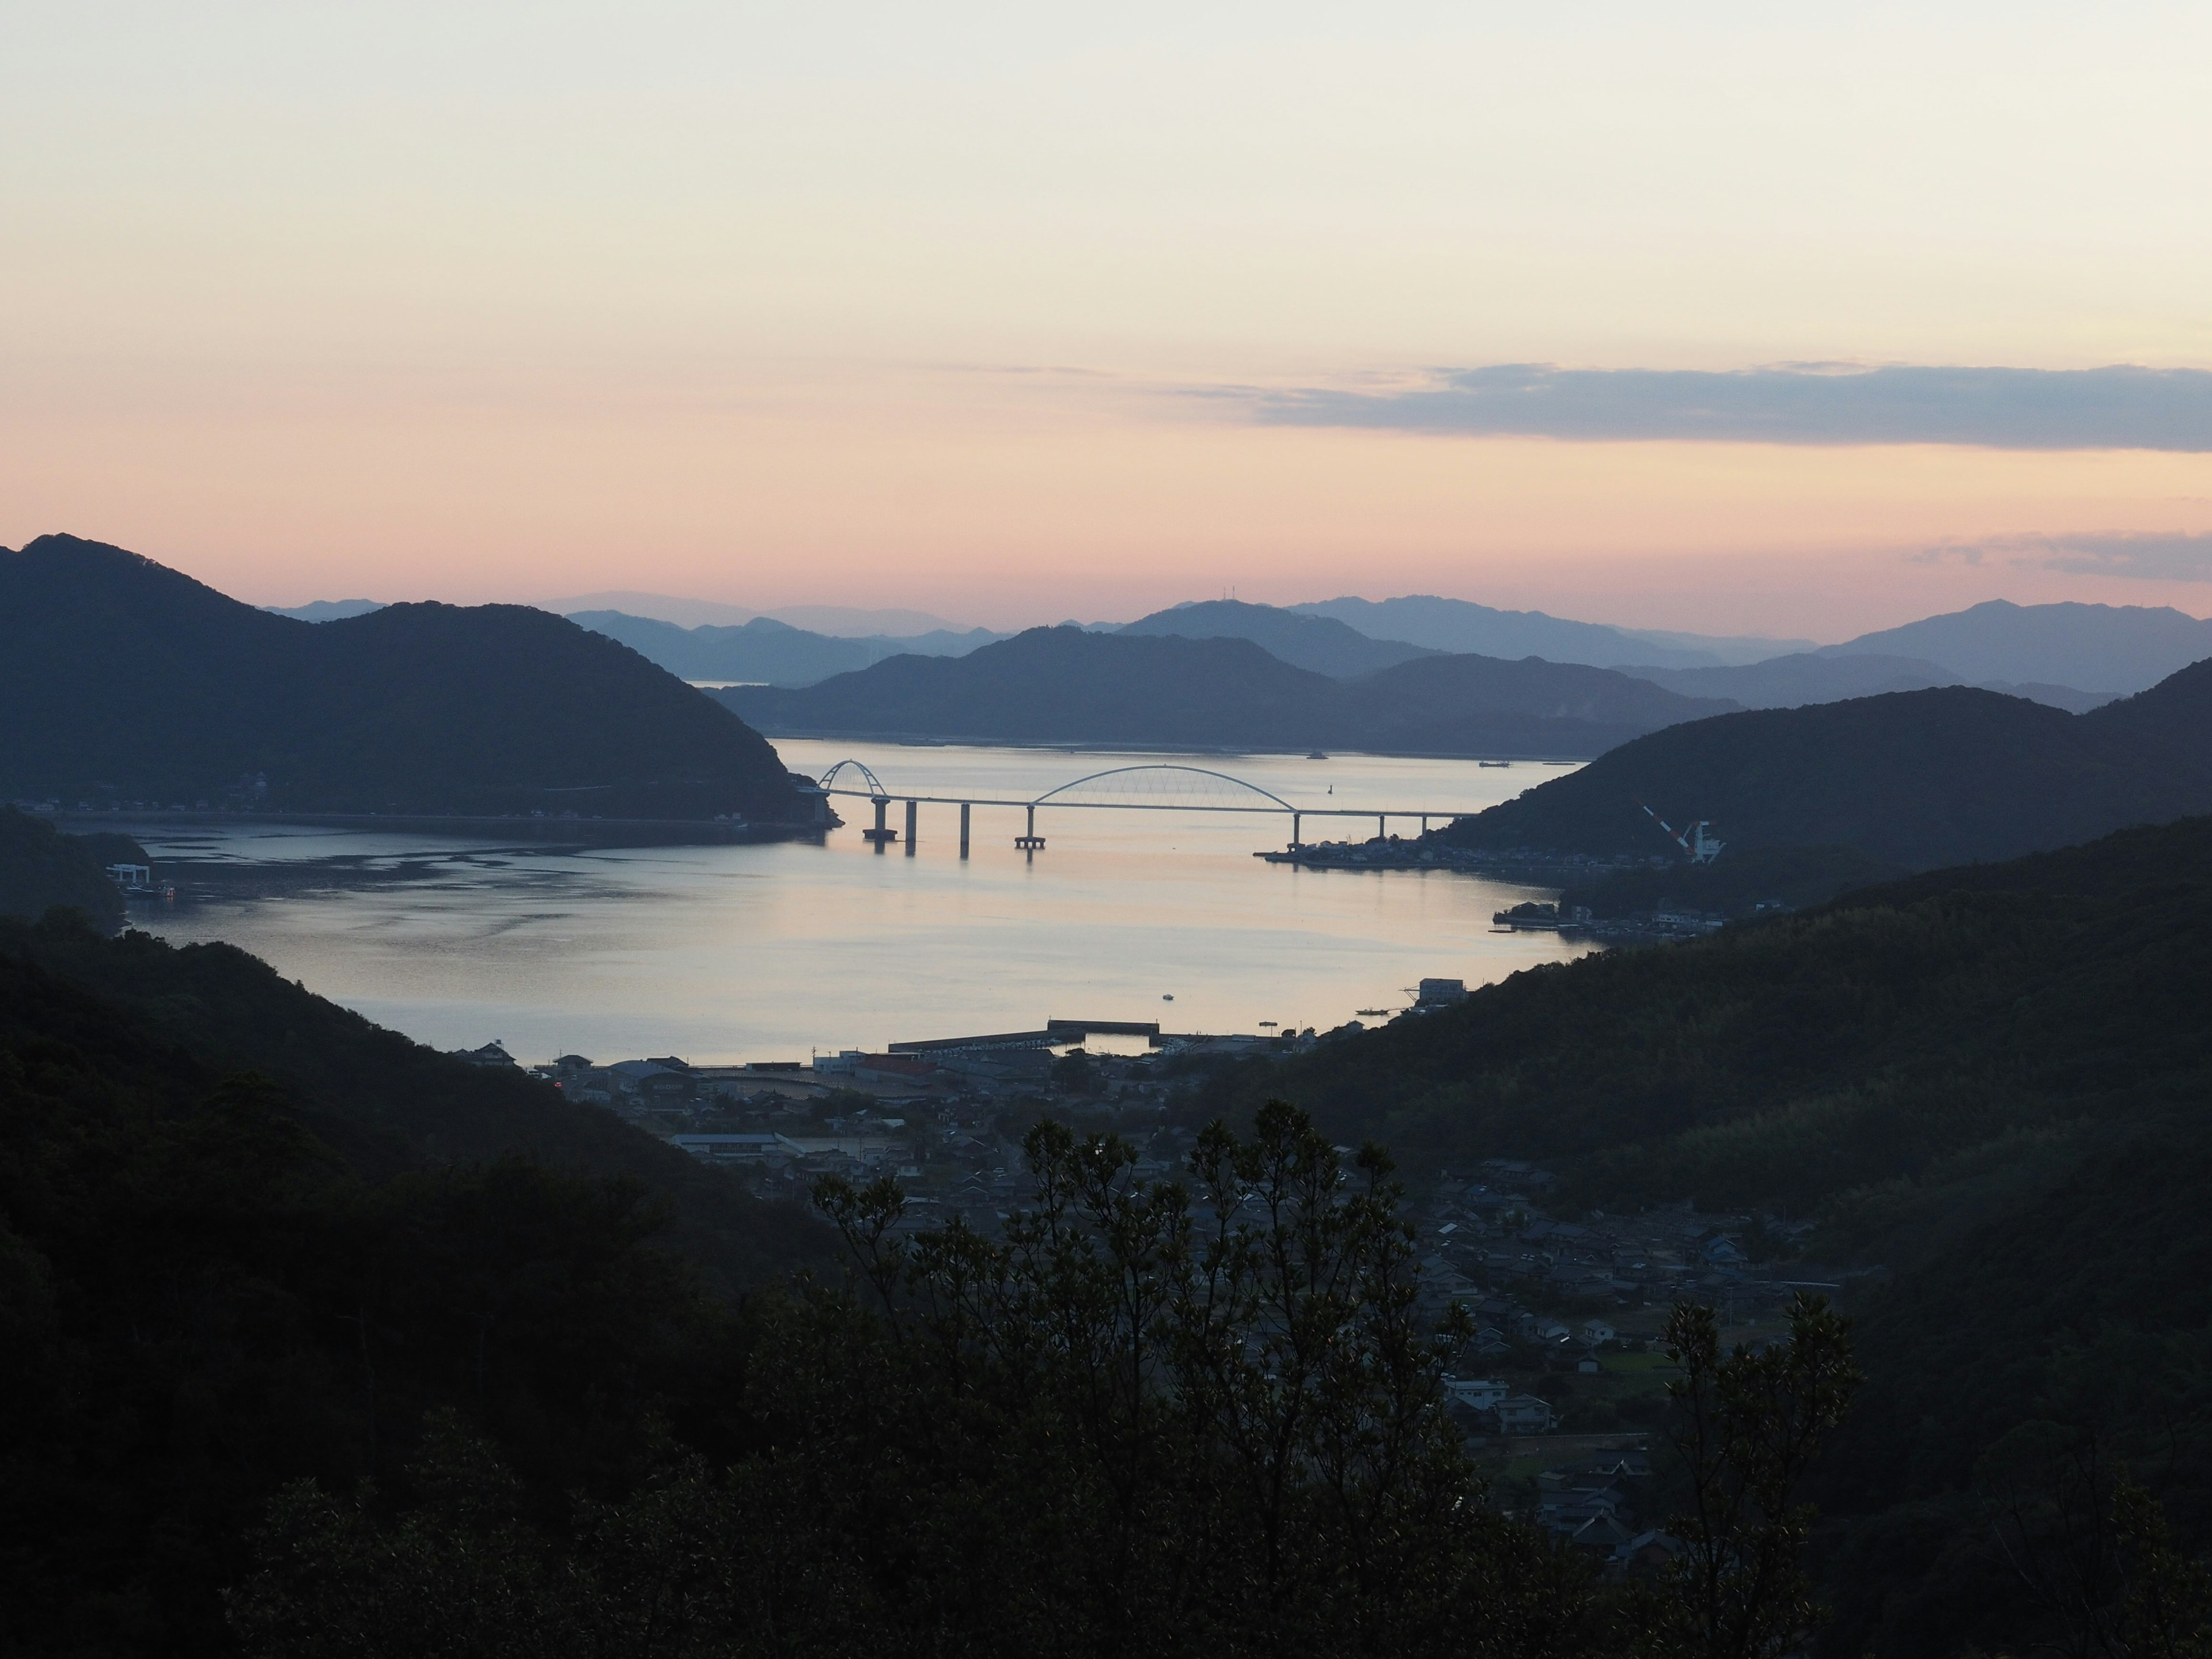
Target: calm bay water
x: 727, y: 953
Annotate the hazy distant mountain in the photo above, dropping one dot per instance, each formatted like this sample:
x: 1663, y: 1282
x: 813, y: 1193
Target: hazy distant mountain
x: 121, y: 680
x: 659, y: 607
x: 1065, y: 685
x: 321, y: 610
x: 2097, y: 647
x: 839, y: 621
x: 1916, y: 778
x: 1320, y: 643
x: 1802, y: 678
x: 852, y: 623
x: 765, y: 651
x: 1462, y: 627
x: 1472, y: 705
x: 1793, y: 681
x: 1727, y: 649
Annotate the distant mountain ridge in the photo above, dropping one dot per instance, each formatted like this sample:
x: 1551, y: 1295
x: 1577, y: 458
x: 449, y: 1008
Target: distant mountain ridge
x: 837, y: 621
x: 1917, y: 779
x: 323, y: 611
x: 2096, y: 648
x: 1067, y: 685
x: 1319, y: 644
x: 1462, y: 627
x: 2070, y: 655
x: 764, y: 651
x: 122, y: 680
x: 1807, y: 676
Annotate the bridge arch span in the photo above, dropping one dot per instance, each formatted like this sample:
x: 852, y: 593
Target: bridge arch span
x: 1165, y: 784
x: 876, y: 790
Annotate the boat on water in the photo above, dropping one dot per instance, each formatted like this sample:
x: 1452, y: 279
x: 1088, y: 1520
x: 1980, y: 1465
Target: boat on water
x: 1493, y: 762
x: 1316, y: 755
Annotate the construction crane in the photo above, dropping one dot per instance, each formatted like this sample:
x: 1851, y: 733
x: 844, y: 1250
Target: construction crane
x: 1700, y: 846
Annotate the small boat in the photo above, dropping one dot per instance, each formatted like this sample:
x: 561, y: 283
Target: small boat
x: 1493, y: 762
x: 1374, y: 1013
x: 1316, y: 755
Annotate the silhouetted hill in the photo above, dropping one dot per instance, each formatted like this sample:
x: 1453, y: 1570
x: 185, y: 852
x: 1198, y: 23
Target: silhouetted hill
x: 40, y: 868
x: 2097, y: 647
x: 1919, y: 779
x: 1320, y: 643
x: 1067, y: 686
x: 763, y: 650
x: 1991, y: 1081
x: 121, y: 680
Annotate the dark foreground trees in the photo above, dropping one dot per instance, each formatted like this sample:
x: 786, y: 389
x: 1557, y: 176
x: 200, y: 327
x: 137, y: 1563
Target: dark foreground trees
x: 1153, y: 1419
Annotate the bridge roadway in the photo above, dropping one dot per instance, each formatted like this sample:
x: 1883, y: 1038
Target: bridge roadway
x: 882, y: 835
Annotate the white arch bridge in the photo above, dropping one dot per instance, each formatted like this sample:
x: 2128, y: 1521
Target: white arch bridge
x: 1160, y: 787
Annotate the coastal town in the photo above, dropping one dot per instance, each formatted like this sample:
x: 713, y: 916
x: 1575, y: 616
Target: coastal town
x: 1562, y: 1377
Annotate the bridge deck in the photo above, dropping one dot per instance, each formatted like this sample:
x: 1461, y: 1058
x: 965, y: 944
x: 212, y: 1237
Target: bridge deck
x: 1170, y: 807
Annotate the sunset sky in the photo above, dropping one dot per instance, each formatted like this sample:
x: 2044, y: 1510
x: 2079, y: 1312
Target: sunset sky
x: 1011, y: 313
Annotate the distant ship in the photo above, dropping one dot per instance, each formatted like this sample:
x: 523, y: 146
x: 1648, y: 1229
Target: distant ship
x: 1316, y: 755
x: 1493, y: 762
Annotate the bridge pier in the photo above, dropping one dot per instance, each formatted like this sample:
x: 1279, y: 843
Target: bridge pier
x: 963, y: 829
x: 1295, y: 818
x: 913, y: 816
x: 1381, y: 827
x: 1031, y: 842
x: 883, y: 834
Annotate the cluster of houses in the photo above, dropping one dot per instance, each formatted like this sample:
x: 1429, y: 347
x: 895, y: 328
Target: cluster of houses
x: 1490, y: 1246
x: 1590, y: 1505
x: 933, y: 1124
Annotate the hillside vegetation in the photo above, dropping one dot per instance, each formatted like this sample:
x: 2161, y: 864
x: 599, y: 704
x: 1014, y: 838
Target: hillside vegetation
x: 1920, y: 779
x: 264, y: 1395
x: 40, y: 868
x: 385, y: 1103
x: 123, y: 681
x: 1991, y: 1081
x: 1065, y: 685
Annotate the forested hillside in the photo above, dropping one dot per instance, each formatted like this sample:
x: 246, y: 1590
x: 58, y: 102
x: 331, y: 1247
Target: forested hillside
x: 288, y: 1371
x: 1991, y: 1082
x: 123, y: 681
x: 247, y: 1237
x: 40, y: 867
